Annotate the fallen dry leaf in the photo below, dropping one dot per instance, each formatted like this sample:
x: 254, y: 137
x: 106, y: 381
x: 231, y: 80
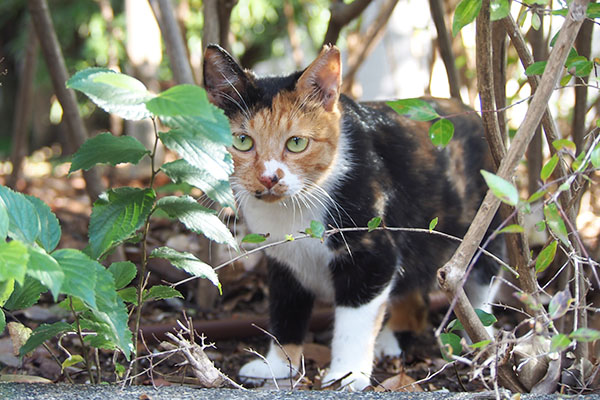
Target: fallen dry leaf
x: 399, y: 383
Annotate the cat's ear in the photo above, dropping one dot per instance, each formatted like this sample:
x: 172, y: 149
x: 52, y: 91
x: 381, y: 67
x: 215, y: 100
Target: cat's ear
x: 323, y: 77
x: 224, y: 80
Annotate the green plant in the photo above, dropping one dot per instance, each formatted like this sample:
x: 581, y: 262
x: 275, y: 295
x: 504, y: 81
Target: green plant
x: 98, y: 297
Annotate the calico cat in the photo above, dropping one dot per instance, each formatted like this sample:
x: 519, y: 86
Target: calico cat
x: 302, y: 151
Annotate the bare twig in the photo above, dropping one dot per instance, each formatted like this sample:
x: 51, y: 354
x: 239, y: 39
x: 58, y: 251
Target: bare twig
x: 341, y: 15
x: 444, y: 43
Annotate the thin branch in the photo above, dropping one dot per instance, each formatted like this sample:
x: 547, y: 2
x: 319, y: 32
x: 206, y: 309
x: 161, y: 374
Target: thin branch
x: 444, y: 43
x: 341, y: 15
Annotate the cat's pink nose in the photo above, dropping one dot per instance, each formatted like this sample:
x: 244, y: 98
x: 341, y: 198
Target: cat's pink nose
x: 269, y: 181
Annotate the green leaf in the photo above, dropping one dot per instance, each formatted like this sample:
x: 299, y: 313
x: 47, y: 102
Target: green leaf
x: 4, y: 221
x: 560, y: 303
x: 129, y: 295
x: 111, y: 311
x: 189, y: 263
x: 499, y: 9
x: 188, y: 100
x: 13, y: 261
x: 564, y: 81
x: 316, y: 230
x: 123, y: 273
x: 536, y: 22
x: 441, y: 132
x: 537, y: 68
x: 585, y: 335
x: 559, y: 342
x: 24, y: 223
x: 114, y: 92
x: 72, y: 360
x: 555, y: 222
x: 415, y: 109
x: 546, y: 256
x: 481, y: 344
x: 80, y: 274
x: 465, y: 13
x: 593, y: 10
x: 579, y: 66
x: 537, y: 195
x: 452, y: 345
x: 105, y: 148
x: 514, y: 228
x: 502, y: 189
x: 6, y: 289
x: 560, y: 144
x: 289, y: 238
x: 549, y: 167
x: 45, y: 269
x: 455, y: 325
x: 254, y: 238
x: 49, y: 234
x: 25, y: 295
x: 486, y: 318
x: 595, y: 157
x: 42, y: 333
x: 116, y: 215
x: 2, y: 321
x: 180, y: 171
x: 373, y: 223
x: 160, y: 292
x: 433, y: 223
x: 197, y: 218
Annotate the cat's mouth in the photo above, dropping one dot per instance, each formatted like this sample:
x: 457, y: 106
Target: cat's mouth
x: 268, y: 196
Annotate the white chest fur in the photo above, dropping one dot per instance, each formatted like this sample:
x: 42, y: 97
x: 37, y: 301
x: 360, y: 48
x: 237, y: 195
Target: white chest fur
x: 308, y: 259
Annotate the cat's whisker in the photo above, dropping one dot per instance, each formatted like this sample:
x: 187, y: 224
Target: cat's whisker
x: 246, y: 110
x: 322, y: 192
x: 234, y: 101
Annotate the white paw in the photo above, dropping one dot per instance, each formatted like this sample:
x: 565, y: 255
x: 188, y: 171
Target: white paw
x: 386, y: 344
x: 356, y: 381
x: 257, y: 371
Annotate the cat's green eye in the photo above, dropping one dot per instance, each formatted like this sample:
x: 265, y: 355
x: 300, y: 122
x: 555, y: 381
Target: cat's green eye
x: 243, y: 142
x: 296, y: 144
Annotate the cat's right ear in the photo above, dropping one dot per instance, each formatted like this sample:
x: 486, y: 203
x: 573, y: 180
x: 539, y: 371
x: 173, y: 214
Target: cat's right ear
x: 224, y: 80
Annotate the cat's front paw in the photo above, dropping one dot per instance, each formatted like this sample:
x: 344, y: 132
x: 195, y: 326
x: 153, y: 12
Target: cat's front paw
x: 386, y: 345
x: 356, y: 381
x: 257, y: 371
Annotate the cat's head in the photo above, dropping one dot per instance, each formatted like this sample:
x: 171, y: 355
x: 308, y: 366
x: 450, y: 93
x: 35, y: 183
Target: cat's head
x: 286, y: 130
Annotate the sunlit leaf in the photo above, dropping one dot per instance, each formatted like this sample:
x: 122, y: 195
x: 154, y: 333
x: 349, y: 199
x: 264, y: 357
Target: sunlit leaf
x: 546, y: 256
x: 316, y: 230
x: 514, y: 228
x: 499, y: 9
x: 433, y: 223
x: 560, y: 144
x: 161, y: 292
x: 373, y: 223
x: 537, y: 195
x: 481, y: 344
x: 537, y: 68
x: 502, y: 189
x: 549, y: 167
x: 452, y: 345
x: 106, y: 148
x: 415, y: 109
x: 14, y: 257
x: 189, y: 263
x: 559, y: 342
x: 72, y: 360
x: 466, y: 11
x: 42, y: 333
x: 585, y: 335
x: 254, y: 238
x: 441, y: 132
x: 555, y: 222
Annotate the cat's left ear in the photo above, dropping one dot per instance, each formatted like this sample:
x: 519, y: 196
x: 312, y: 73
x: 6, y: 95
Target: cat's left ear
x: 323, y: 77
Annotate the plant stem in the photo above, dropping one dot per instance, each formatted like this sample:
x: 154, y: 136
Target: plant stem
x: 83, y: 346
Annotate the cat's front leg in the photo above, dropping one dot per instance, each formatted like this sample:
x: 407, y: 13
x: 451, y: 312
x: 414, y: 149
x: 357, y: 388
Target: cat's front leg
x: 352, y: 347
x: 290, y: 306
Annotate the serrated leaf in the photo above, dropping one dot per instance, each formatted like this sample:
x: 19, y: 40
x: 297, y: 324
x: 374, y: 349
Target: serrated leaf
x: 116, y: 215
x: 585, y: 335
x: 72, y: 360
x: 13, y: 261
x: 433, y: 223
x: 452, y: 345
x: 465, y: 13
x: 415, y: 109
x: 560, y: 303
x: 441, y: 132
x: 560, y: 144
x: 50, y: 232
x: 114, y: 92
x: 25, y: 295
x: 42, y: 333
x: 24, y: 223
x: 189, y: 263
x: 106, y: 148
x: 160, y: 292
x: 316, y: 230
x: 254, y: 238
x: 546, y: 256
x: 373, y: 223
x: 123, y: 273
x: 537, y: 68
x: 180, y: 171
x: 502, y: 189
x: 559, y: 342
x: 514, y: 228
x: 189, y: 100
x: 80, y: 274
x: 549, y: 167
x: 45, y: 269
x: 555, y: 222
x: 499, y: 9
x: 129, y: 295
x: 197, y: 218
